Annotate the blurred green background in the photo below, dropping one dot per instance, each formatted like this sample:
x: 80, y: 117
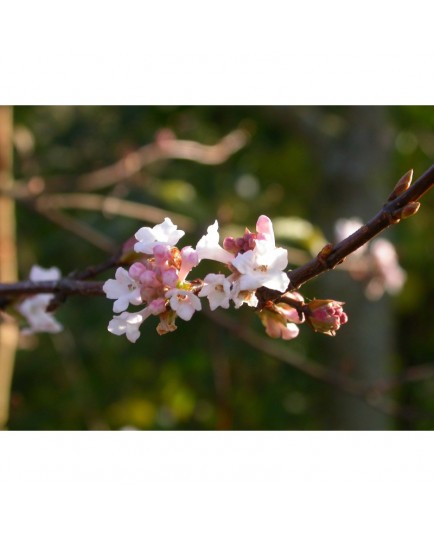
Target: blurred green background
x: 313, y: 163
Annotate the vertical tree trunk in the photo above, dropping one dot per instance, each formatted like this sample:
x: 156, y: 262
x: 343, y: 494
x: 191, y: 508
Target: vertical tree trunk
x: 354, y: 183
x: 8, y: 261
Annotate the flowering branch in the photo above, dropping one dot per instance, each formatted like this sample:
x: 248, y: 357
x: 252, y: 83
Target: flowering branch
x: 156, y: 278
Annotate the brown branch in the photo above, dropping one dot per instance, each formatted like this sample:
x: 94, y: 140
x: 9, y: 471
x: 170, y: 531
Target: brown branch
x: 398, y: 207
x: 66, y: 286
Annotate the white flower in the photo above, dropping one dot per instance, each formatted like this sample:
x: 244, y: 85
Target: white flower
x: 243, y: 296
x: 165, y: 234
x: 262, y: 266
x: 345, y: 227
x: 217, y: 289
x: 128, y: 324
x: 123, y: 289
x: 184, y: 302
x: 37, y: 273
x: 34, y: 309
x: 208, y: 246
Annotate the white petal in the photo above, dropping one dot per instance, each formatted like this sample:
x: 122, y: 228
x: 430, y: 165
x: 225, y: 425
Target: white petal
x: 208, y: 246
x: 37, y: 273
x: 165, y: 233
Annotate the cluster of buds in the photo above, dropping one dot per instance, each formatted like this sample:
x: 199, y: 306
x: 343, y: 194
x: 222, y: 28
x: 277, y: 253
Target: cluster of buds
x: 157, y: 280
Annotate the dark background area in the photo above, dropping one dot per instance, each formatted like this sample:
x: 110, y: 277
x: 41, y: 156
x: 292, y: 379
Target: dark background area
x: 314, y: 163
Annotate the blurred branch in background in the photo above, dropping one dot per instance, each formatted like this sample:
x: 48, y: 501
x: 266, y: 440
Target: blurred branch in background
x: 8, y: 261
x: 370, y: 394
x: 165, y: 147
x: 113, y: 206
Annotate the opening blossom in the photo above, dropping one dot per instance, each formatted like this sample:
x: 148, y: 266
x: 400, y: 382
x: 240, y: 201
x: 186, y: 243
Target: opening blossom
x: 158, y: 280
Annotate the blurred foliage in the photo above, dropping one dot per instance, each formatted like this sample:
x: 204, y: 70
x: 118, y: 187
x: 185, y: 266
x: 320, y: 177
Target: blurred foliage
x: 201, y: 376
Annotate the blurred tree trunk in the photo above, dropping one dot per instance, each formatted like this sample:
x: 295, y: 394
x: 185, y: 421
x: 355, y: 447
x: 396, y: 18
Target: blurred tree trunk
x: 8, y: 261
x: 356, y: 170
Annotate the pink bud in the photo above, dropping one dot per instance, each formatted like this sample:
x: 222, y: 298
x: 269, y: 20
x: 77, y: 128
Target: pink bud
x: 157, y: 306
x: 229, y: 244
x: 170, y: 277
x: 277, y: 327
x: 148, y: 278
x: 136, y: 270
x: 161, y: 253
x: 326, y: 316
x: 289, y: 313
x: 190, y: 259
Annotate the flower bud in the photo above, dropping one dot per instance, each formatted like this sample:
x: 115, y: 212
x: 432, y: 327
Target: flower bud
x: 410, y: 209
x: 229, y: 244
x: 326, y: 316
x: 402, y: 185
x: 277, y: 327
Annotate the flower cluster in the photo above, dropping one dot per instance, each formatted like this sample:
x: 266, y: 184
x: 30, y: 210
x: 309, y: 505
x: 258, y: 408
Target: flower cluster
x: 158, y: 283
